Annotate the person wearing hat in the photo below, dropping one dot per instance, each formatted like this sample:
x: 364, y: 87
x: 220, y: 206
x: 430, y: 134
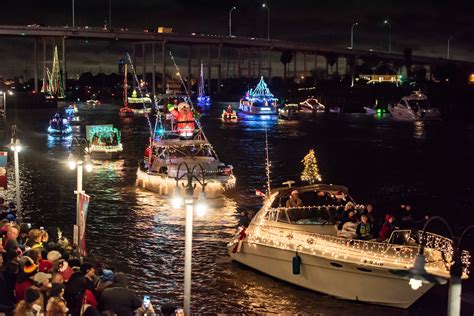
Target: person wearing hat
x: 118, y: 298
x: 23, y: 280
x: 30, y: 305
x: 56, y: 303
x: 185, y: 119
x: 387, y: 228
x: 91, y: 278
x: 294, y: 200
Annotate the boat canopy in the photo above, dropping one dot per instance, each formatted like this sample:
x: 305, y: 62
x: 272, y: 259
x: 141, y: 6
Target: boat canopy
x: 103, y: 134
x: 314, y: 195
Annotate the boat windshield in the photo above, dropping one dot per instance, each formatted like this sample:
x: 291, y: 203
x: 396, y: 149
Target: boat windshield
x: 307, y: 215
x: 314, y: 198
x: 186, y: 151
x: 419, y: 104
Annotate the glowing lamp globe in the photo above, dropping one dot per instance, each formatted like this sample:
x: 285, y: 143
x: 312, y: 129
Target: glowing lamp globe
x: 415, y: 284
x: 88, y: 166
x: 177, y: 201
x: 201, y: 208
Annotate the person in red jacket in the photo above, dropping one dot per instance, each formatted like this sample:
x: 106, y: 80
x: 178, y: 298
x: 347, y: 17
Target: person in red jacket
x: 387, y: 228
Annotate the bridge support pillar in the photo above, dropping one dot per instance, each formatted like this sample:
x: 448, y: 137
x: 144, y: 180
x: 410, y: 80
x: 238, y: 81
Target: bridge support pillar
x: 239, y: 60
x: 44, y: 61
x: 163, y: 73
x: 189, y: 69
x: 294, y: 66
x: 219, y: 69
x: 144, y: 62
x: 304, y: 64
x: 337, y: 66
x: 153, y: 69
x: 35, y: 63
x: 209, y: 70
x: 315, y: 66
x: 259, y: 63
x: 64, y: 62
x: 270, y: 65
x: 249, y: 56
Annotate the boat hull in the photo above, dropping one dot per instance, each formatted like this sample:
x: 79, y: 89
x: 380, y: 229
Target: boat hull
x: 254, y: 110
x: 340, y: 279
x: 403, y: 114
x: 101, y: 155
x: 165, y: 185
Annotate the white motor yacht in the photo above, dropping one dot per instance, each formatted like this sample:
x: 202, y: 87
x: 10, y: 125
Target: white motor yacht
x: 300, y: 245
x: 311, y: 105
x: 414, y: 107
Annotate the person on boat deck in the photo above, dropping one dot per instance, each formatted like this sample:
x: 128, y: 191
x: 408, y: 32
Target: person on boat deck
x: 185, y: 118
x: 364, y: 229
x: 374, y: 220
x: 294, y: 200
x: 95, y: 139
x: 348, y: 229
x: 321, y: 198
x: 387, y: 228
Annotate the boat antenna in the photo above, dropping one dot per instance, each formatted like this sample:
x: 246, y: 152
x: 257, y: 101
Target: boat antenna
x: 267, y: 164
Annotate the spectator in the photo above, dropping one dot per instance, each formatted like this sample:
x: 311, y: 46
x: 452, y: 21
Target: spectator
x: 23, y: 280
x: 119, y: 298
x: 76, y: 294
x: 31, y: 305
x: 56, y: 303
x: 91, y: 279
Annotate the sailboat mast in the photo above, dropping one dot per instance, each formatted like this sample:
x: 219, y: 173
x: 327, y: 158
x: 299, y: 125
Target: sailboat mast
x: 267, y: 163
x: 125, y: 101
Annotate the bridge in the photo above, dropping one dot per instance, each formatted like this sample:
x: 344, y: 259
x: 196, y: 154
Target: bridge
x: 249, y: 51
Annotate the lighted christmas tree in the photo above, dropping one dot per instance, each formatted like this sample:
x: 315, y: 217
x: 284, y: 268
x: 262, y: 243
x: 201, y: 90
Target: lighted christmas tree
x: 310, y: 173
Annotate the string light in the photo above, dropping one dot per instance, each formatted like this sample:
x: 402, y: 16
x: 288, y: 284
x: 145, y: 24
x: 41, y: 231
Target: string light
x: 310, y: 172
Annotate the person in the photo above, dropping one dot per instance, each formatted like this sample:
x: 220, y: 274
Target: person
x: 42, y: 284
x: 364, y: 229
x: 294, y: 200
x: 374, y: 220
x: 95, y: 139
x: 407, y: 218
x: 348, y: 229
x: 321, y: 198
x: 76, y: 294
x: 34, y: 240
x: 31, y: 305
x: 23, y: 280
x: 387, y: 228
x: 91, y: 279
x: 119, y: 298
x: 56, y: 305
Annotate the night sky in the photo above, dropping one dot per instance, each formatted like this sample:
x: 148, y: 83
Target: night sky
x: 422, y: 25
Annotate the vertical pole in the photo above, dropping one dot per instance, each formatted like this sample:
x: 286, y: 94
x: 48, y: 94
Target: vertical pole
x: 78, y: 211
x: 454, y: 295
x: 219, y: 69
x: 35, y: 63
x: 304, y: 64
x: 17, y: 181
x: 153, y: 68
x: 228, y: 63
x: 189, y: 67
x: 110, y: 14
x: 44, y: 61
x: 163, y: 73
x: 249, y: 56
x: 259, y: 63
x: 209, y: 70
x: 315, y: 65
x: 294, y: 65
x: 188, y: 258
x: 134, y: 61
x: 73, y: 16
x: 144, y: 62
x: 337, y: 65
x: 64, y: 62
x: 269, y: 64
x: 239, y: 59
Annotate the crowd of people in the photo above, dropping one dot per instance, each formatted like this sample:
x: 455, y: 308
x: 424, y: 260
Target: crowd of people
x: 42, y: 274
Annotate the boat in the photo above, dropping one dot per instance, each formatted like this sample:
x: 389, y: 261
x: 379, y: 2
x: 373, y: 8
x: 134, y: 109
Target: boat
x: 202, y: 98
x: 311, y: 105
x: 139, y: 105
x: 93, y: 102
x: 53, y: 85
x: 289, y: 112
x: 414, y: 107
x: 71, y: 114
x: 300, y: 245
x: 59, y: 126
x: 125, y: 110
x: 177, y: 141
x: 259, y: 101
x: 229, y: 114
x: 104, y: 142
x: 335, y: 109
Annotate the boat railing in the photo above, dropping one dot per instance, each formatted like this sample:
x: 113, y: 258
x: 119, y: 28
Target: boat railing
x: 437, y: 250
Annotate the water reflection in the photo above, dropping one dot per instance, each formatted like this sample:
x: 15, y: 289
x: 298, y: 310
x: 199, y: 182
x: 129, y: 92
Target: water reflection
x: 420, y: 130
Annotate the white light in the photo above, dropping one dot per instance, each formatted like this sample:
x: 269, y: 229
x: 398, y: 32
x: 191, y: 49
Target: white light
x: 18, y: 148
x: 10, y: 93
x: 177, y: 202
x: 88, y: 167
x: 72, y: 164
x: 201, y: 208
x: 415, y: 284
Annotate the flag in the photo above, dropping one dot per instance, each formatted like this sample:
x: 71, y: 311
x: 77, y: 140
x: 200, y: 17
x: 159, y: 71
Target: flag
x: 3, y: 170
x: 259, y: 193
x: 83, y: 206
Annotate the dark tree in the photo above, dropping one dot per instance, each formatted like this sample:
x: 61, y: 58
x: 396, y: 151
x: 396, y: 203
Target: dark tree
x: 285, y: 58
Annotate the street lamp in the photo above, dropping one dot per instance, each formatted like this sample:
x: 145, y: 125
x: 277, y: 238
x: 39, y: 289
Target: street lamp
x: 449, y: 47
x: 4, y: 104
x: 386, y: 22
x: 352, y: 34
x: 230, y: 20
x: 79, y: 159
x: 188, y: 201
x: 16, y: 147
x: 418, y: 274
x: 264, y: 5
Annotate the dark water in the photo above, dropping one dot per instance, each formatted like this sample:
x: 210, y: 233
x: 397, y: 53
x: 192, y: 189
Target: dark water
x: 385, y: 162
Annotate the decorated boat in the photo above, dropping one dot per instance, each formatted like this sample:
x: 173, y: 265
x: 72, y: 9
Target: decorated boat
x: 259, y: 101
x: 178, y: 138
x: 139, y: 105
x: 311, y: 106
x: 59, y: 126
x: 104, y: 142
x: 301, y: 245
x: 414, y: 107
x: 229, y: 114
x: 125, y: 110
x: 71, y: 114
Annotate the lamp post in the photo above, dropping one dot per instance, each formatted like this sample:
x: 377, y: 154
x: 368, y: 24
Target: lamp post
x: 78, y: 160
x: 449, y: 47
x: 264, y: 5
x: 4, y: 104
x: 190, y: 206
x: 230, y: 20
x: 418, y: 274
x: 73, y: 15
x: 16, y: 147
x: 386, y: 22
x: 352, y: 34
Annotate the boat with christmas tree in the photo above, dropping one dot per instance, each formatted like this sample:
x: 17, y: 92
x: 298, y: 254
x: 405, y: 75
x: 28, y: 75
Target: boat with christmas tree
x: 71, y: 114
x: 259, y: 101
x: 59, y: 126
x: 139, y: 105
x: 104, y: 142
x: 202, y: 98
x: 294, y: 238
x: 125, y: 110
x: 53, y: 86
